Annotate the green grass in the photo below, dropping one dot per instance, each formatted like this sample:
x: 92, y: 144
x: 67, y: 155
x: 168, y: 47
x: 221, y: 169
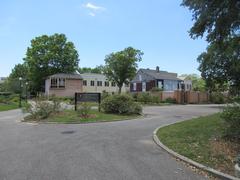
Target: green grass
x: 192, y: 138
x: 6, y: 107
x: 70, y: 116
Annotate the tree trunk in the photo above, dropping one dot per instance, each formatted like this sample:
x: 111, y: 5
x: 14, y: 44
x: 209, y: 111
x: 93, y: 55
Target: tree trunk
x: 119, y: 89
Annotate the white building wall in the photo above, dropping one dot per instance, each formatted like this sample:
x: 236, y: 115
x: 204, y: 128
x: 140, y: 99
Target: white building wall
x: 99, y: 77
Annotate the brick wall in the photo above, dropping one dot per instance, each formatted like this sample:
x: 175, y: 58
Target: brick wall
x: 71, y: 86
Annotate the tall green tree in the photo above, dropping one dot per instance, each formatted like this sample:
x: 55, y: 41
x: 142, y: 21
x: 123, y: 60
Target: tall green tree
x: 19, y: 70
x: 121, y: 67
x: 48, y: 55
x: 221, y: 67
x: 12, y: 83
x: 219, y: 21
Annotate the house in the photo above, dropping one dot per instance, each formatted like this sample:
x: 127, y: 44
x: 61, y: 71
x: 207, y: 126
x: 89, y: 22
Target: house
x: 187, y: 84
x: 93, y: 82
x: 147, y: 79
x: 63, y: 85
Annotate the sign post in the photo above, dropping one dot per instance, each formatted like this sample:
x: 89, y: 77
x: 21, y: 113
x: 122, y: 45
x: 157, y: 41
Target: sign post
x: 88, y: 97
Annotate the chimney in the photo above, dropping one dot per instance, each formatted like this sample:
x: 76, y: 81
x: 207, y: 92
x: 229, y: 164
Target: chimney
x: 157, y: 68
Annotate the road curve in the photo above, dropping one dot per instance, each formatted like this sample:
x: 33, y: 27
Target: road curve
x: 121, y: 150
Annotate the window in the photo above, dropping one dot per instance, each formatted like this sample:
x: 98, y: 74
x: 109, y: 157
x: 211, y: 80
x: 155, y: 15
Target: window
x: 134, y: 86
x: 106, y: 83
x: 113, y: 84
x: 53, y: 83
x: 57, y: 83
x: 85, y: 82
x: 170, y: 85
x: 92, y: 83
x: 99, y: 83
x: 140, y: 77
x: 61, y: 83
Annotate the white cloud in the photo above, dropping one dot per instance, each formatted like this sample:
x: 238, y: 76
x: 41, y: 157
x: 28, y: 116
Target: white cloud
x: 94, y: 7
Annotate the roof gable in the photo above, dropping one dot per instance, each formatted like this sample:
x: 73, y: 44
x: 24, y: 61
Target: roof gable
x: 160, y: 74
x: 66, y: 76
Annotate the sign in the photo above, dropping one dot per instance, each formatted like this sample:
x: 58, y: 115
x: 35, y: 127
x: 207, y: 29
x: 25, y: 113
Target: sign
x: 87, y: 97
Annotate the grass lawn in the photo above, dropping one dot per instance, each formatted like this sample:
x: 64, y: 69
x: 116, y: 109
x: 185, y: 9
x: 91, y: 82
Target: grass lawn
x: 70, y: 116
x: 201, y: 140
x: 5, y: 107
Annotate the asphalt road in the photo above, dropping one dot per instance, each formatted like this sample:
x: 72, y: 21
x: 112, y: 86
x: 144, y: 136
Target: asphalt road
x: 122, y: 150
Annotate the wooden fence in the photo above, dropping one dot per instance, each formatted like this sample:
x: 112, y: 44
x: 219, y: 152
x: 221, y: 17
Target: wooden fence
x: 184, y: 97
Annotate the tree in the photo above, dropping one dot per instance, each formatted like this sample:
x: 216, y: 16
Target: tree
x: 218, y: 18
x: 48, y: 55
x: 19, y: 70
x: 97, y: 69
x: 220, y: 65
x: 121, y: 67
x: 198, y: 84
x: 12, y: 84
x: 220, y: 22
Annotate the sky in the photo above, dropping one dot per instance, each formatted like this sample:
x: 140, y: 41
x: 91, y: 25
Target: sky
x: 97, y: 28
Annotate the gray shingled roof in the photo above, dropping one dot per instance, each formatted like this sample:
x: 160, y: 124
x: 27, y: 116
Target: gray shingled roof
x: 66, y: 76
x: 160, y: 74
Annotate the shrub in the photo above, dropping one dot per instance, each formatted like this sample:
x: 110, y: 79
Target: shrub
x: 144, y: 98
x: 9, y: 98
x: 104, y: 95
x: 135, y: 108
x: 39, y: 109
x: 121, y: 104
x: 217, y: 98
x: 156, y: 89
x: 67, y: 100
x: 14, y: 99
x: 170, y: 100
x: 231, y: 116
x: 134, y: 96
x: 156, y: 99
x: 84, y: 109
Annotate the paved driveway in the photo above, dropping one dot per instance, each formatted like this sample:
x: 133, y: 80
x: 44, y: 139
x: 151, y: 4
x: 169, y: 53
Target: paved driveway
x: 102, y: 151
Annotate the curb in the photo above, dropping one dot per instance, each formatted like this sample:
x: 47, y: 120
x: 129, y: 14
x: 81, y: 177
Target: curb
x: 93, y: 122
x: 189, y: 161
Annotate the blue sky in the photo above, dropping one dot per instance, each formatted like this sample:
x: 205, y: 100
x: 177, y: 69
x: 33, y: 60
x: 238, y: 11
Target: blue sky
x: 157, y: 27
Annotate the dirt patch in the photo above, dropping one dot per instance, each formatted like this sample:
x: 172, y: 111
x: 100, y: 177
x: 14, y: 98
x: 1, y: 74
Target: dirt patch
x: 224, y: 153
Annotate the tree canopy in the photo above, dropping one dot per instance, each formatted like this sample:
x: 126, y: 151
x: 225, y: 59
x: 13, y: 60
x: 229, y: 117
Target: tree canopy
x: 220, y: 67
x: 97, y: 69
x: 48, y: 55
x: 121, y: 67
x: 217, y: 18
x: 220, y: 21
x: 19, y: 70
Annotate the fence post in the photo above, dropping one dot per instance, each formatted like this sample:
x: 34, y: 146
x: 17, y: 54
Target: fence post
x: 75, y: 103
x: 198, y: 97
x: 99, y: 102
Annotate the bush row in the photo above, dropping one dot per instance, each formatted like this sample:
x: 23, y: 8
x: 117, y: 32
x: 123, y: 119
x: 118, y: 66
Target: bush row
x: 9, y: 99
x: 149, y: 98
x: 231, y: 116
